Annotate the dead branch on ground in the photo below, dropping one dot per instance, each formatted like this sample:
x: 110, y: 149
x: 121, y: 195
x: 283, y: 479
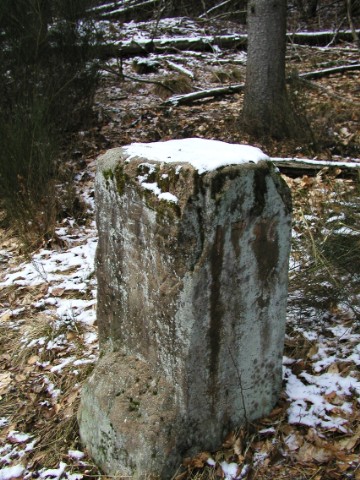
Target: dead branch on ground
x: 189, y: 98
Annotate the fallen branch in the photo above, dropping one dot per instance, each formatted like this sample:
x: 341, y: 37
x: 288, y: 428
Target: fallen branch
x: 330, y: 71
x: 320, y: 38
x: 206, y: 43
x: 142, y: 46
x: 216, y: 7
x: 345, y: 50
x: 114, y: 9
x: 297, y: 167
x: 180, y: 69
x: 189, y: 98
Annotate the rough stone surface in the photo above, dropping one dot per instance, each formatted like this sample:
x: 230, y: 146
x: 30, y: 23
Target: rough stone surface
x: 191, y: 310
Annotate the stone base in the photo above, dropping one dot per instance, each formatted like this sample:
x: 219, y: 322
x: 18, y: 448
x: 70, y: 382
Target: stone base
x: 129, y: 419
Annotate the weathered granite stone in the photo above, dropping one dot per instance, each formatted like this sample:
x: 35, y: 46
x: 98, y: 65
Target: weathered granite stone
x: 191, y: 309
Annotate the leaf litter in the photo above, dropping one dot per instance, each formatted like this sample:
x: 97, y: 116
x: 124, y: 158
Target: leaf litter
x: 48, y: 333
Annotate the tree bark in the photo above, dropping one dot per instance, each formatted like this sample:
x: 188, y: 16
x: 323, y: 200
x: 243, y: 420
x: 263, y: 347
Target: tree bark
x: 355, y: 35
x: 267, y: 109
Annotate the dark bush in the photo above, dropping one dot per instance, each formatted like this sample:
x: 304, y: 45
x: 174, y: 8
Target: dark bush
x: 47, y: 79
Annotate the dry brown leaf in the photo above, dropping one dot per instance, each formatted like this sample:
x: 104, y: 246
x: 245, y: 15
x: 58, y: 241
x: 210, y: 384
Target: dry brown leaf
x: 38, y: 388
x: 333, y: 368
x: 20, y: 377
x: 5, y: 380
x: 22, y: 410
x: 198, y: 461
x: 240, y: 459
x: 334, y: 398
x: 349, y: 443
x: 229, y: 440
x: 68, y: 410
x: 57, y: 292
x: 309, y: 453
x: 312, y: 351
x: 33, y: 397
x: 182, y: 476
x: 5, y: 316
x: 313, y: 437
x: 70, y: 336
x: 294, y: 441
x: 39, y: 457
x: 286, y: 429
x: 348, y: 462
x: 33, y: 359
x: 345, y: 367
x: 238, y: 446
x: 49, y: 413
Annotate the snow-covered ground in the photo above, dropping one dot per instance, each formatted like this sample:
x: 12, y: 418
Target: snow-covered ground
x: 61, y: 341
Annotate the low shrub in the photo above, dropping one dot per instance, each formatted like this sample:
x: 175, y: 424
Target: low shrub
x: 47, y: 79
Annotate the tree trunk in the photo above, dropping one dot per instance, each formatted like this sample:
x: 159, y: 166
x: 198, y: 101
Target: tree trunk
x: 266, y: 109
x: 355, y: 35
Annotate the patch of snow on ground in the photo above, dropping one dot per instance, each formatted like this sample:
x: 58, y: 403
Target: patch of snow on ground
x: 8, y: 473
x: 50, y: 266
x: 16, y: 437
x: 76, y: 454
x: 54, y: 473
x: 230, y: 470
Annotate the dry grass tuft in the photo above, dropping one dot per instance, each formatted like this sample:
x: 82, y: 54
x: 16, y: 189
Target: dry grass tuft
x: 173, y: 84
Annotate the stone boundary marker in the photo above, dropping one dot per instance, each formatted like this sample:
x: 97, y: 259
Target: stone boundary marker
x: 192, y: 267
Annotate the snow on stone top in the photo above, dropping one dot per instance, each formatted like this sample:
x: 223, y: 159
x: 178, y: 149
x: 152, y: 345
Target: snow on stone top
x: 203, y: 155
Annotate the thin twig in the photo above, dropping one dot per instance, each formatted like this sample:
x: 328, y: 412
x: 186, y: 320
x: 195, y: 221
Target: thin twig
x: 335, y: 34
x: 136, y: 79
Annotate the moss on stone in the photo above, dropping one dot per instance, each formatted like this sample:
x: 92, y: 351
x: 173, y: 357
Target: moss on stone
x: 164, y: 182
x: 219, y: 182
x: 108, y: 175
x: 121, y: 179
x: 166, y: 211
x: 134, y: 405
x: 168, y: 181
x: 151, y: 171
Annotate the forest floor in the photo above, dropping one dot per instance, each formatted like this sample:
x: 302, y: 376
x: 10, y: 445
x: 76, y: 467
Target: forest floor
x: 48, y: 334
